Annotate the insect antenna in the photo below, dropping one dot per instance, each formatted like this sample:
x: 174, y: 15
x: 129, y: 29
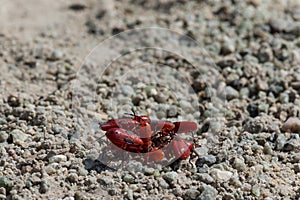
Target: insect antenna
x: 131, y: 114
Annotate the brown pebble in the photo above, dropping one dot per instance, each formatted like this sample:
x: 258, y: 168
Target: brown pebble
x: 291, y: 125
x: 296, y: 85
x: 255, y: 3
x: 262, y: 85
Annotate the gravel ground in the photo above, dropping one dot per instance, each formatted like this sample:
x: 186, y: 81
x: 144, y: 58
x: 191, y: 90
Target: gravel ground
x: 62, y: 74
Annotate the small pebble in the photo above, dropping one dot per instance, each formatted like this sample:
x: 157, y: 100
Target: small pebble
x: 262, y: 85
x: 265, y: 54
x: 177, y: 191
x: 56, y: 55
x: 104, y: 180
x: 129, y: 194
x: 256, y: 190
x: 13, y: 101
x: 284, y: 98
x: 2, y: 121
x: 127, y: 90
x: 221, y: 175
x: 172, y: 111
x: 277, y: 24
x: 206, y: 178
x: 280, y: 142
x: 72, y: 178
x: 58, y: 159
x: 149, y: 171
x: 192, y: 193
x: 291, y: 125
x: 163, y: 183
x: 3, y: 136
x: 268, y: 149
x: 128, y: 178
x: 239, y: 164
x: 231, y: 93
x: 297, y: 167
x: 170, y: 176
x: 50, y: 170
x: 208, y: 160
x: 228, y: 46
x: 6, y: 183
x: 235, y: 182
x: 89, y: 163
x: 253, y: 110
x: 44, y: 186
x: 112, y: 192
x: 208, y: 193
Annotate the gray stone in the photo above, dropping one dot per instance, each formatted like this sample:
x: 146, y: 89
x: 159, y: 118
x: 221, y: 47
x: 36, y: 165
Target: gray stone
x: 231, y: 93
x: 128, y: 178
x: 172, y: 111
x: 161, y: 98
x: 18, y: 136
x: 208, y: 160
x: 57, y: 129
x: 221, y: 175
x: 277, y: 24
x: 69, y: 198
x: 149, y: 171
x: 44, y: 186
x: 292, y: 144
x: 58, y: 159
x: 150, y: 91
x: 2, y: 121
x: 235, y: 181
x: 82, y: 171
x: 239, y: 164
x: 268, y: 149
x: 127, y: 90
x: 50, y: 169
x: 72, y: 178
x: 3, y: 136
x: 244, y: 93
x: 177, y: 191
x: 280, y: 142
x: 129, y: 194
x: 104, y: 180
x: 163, y: 183
x: 192, y: 193
x: 6, y: 183
x: 297, y: 167
x: 208, y: 193
x: 206, y: 178
x: 170, y: 176
x: 89, y: 163
x: 228, y: 46
x: 265, y: 54
x: 284, y: 98
x: 56, y: 55
x: 255, y: 190
x: 254, y: 125
x: 185, y: 105
x: 112, y: 191
x: 134, y: 166
x: 296, y: 158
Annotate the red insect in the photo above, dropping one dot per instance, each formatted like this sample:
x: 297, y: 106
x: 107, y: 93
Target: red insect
x: 139, y: 134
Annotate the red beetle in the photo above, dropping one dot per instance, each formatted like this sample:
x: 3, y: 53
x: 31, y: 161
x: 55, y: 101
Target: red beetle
x: 139, y: 134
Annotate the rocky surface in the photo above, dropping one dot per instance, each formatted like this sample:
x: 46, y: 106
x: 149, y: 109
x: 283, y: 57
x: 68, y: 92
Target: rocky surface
x: 240, y: 82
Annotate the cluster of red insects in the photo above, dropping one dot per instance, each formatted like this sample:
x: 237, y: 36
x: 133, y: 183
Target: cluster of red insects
x: 140, y: 134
